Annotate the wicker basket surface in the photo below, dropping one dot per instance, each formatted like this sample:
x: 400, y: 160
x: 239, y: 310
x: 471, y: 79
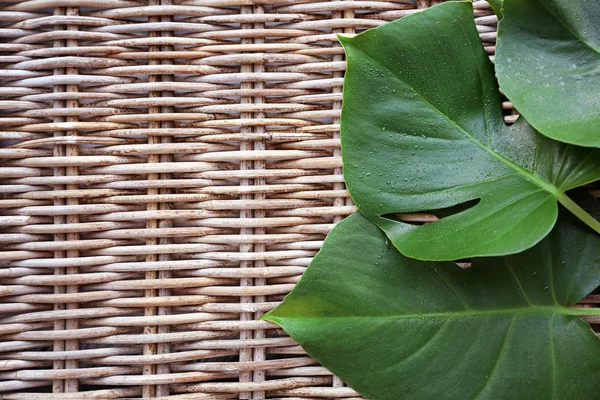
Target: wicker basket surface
x: 169, y: 168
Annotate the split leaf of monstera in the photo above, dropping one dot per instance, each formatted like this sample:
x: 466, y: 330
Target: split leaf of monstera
x: 422, y: 129
x: 548, y: 65
x: 398, y: 328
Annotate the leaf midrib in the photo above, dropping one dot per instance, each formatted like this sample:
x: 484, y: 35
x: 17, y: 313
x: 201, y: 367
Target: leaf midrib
x: 529, y: 176
x: 459, y: 314
x: 573, y: 33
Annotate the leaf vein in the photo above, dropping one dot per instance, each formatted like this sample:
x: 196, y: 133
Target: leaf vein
x: 464, y: 303
x: 420, y: 348
x: 552, y: 356
x: 561, y: 164
x: 453, y: 314
x: 551, y: 272
x: 576, y: 168
x: 510, y: 268
x: 499, y: 358
x: 528, y: 175
x: 571, y: 31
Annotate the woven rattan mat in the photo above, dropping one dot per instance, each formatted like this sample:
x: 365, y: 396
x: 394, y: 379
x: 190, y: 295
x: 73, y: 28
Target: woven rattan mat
x: 169, y: 168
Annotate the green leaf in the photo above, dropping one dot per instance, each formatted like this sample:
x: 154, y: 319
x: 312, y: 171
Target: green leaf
x: 497, y: 7
x: 548, y: 65
x: 398, y: 328
x: 422, y: 129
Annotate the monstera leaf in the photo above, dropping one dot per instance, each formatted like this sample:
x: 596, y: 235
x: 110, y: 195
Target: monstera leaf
x: 422, y: 129
x: 548, y: 65
x: 398, y: 328
x: 496, y: 6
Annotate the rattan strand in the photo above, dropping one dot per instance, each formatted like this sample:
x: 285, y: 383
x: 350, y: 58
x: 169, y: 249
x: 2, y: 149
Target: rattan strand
x: 169, y: 168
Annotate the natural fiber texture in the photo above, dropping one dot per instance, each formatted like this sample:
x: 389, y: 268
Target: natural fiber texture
x: 169, y: 168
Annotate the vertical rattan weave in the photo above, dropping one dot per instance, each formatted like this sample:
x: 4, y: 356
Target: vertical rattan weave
x: 169, y: 168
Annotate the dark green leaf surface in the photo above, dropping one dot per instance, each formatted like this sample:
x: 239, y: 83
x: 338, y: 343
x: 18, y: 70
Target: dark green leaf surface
x: 422, y: 129
x: 398, y: 328
x: 548, y: 65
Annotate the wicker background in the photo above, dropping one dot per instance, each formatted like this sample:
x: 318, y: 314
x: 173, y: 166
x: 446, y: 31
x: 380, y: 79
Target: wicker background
x: 169, y: 168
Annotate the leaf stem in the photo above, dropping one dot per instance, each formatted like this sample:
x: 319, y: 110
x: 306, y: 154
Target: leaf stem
x: 579, y: 212
x: 584, y: 312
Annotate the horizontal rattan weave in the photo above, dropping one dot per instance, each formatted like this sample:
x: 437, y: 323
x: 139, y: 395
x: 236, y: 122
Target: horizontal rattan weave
x: 168, y: 170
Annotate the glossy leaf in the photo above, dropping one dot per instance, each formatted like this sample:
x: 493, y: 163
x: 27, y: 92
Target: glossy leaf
x: 398, y: 328
x: 496, y: 6
x: 548, y: 65
x: 422, y: 129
